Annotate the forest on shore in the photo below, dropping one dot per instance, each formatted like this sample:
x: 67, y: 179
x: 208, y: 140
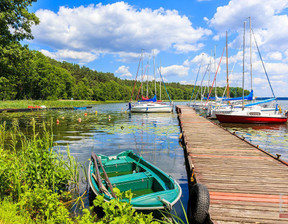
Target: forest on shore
x: 29, y: 74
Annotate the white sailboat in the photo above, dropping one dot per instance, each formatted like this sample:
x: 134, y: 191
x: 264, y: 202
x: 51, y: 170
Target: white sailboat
x: 146, y: 105
x: 255, y: 113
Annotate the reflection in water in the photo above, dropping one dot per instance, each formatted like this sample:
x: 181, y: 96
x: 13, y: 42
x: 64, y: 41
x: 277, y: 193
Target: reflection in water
x: 263, y: 127
x: 270, y: 137
x: 154, y: 136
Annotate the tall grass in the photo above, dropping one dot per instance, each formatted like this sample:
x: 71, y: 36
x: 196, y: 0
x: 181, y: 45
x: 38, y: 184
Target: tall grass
x: 37, y: 183
x: 30, y: 161
x: 15, y: 104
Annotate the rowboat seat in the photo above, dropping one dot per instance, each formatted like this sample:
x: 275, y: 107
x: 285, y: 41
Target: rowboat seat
x: 136, y: 182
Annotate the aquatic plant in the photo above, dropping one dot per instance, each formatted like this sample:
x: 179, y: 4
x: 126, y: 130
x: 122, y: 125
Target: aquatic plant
x: 40, y: 185
x: 32, y: 161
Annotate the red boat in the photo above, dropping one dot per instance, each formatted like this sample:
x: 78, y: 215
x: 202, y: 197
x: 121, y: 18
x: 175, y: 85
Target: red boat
x: 232, y: 118
x: 34, y: 107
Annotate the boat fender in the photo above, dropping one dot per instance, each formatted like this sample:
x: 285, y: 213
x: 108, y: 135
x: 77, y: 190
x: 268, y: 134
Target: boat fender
x: 166, y: 203
x: 198, y: 204
x: 280, y: 109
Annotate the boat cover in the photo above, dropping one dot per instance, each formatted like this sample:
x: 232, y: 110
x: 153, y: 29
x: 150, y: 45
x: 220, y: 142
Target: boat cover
x: 154, y: 99
x: 248, y: 97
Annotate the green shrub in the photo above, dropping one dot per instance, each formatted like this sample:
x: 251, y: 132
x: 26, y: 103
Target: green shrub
x: 33, y: 161
x: 43, y: 205
x: 9, y: 214
x: 121, y: 212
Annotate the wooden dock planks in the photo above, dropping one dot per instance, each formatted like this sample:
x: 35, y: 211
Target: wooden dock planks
x: 246, y: 185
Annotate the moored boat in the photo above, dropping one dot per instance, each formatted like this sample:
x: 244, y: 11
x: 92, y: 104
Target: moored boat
x: 150, y: 107
x: 152, y: 188
x: 252, y: 116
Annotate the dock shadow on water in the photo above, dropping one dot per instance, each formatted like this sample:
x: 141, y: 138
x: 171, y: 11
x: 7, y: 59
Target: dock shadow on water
x: 107, y: 129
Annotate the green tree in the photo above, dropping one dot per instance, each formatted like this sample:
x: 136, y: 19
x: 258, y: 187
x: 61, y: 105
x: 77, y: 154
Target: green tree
x: 16, y: 21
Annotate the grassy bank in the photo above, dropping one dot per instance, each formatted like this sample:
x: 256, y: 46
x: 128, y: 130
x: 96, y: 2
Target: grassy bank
x: 19, y: 104
x: 40, y: 185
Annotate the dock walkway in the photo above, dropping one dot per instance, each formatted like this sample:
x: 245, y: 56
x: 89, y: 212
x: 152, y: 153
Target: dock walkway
x: 246, y: 184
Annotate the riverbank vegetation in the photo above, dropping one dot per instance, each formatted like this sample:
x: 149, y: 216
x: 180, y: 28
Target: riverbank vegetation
x: 31, y: 75
x: 16, y: 104
x: 41, y: 185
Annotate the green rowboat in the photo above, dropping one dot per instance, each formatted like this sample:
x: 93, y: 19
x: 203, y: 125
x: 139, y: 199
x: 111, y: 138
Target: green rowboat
x: 152, y: 188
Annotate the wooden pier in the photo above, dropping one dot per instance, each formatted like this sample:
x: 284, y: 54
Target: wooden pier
x: 246, y: 184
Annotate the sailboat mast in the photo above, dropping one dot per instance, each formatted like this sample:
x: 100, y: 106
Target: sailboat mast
x: 148, y: 65
x: 215, y: 70
x: 228, y: 94
x: 243, y: 66
x: 154, y: 73
x: 160, y: 80
x: 142, y: 73
x: 250, y: 51
x: 210, y: 70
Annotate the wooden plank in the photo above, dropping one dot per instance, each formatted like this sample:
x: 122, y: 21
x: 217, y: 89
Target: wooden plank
x: 246, y: 184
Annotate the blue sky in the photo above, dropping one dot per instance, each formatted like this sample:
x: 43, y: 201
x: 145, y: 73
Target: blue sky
x: 108, y: 36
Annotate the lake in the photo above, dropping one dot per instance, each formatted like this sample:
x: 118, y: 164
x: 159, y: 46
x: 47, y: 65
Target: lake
x: 271, y: 137
x: 154, y: 136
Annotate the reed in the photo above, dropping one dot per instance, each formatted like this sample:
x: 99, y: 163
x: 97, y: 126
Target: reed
x: 31, y: 161
x: 16, y: 104
x: 41, y: 185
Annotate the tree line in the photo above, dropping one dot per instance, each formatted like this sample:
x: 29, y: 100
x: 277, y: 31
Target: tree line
x: 29, y: 74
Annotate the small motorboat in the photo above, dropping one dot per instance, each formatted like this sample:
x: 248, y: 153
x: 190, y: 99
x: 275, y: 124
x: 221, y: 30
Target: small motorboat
x: 80, y: 108
x: 152, y: 188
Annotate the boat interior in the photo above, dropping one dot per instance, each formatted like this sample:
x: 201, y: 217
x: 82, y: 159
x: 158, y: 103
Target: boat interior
x: 128, y: 174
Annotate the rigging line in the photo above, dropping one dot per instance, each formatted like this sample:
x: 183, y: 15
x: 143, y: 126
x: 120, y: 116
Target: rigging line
x: 263, y: 64
x: 231, y: 72
x: 215, y: 77
x: 136, y: 79
x: 141, y: 83
x: 196, y: 78
x: 164, y: 86
x: 208, y: 65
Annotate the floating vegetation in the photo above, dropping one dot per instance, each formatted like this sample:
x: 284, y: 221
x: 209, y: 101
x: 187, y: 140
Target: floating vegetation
x: 133, y: 128
x: 273, y: 139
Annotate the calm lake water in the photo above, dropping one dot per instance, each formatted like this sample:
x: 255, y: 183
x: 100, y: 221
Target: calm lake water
x: 154, y: 136
x: 270, y: 137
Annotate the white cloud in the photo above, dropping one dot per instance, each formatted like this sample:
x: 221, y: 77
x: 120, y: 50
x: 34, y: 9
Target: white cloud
x: 186, y: 82
x: 70, y: 55
x: 185, y: 48
x: 216, y: 37
x: 124, y: 71
x: 175, y: 70
x: 273, y: 69
x: 267, y: 20
x: 202, y: 58
x: 277, y: 56
x: 116, y: 28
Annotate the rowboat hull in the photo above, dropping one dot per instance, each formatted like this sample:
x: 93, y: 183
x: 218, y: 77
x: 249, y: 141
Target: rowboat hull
x: 153, y: 189
x: 228, y: 118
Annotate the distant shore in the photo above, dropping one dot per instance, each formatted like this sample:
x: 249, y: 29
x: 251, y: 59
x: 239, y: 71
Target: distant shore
x: 19, y: 104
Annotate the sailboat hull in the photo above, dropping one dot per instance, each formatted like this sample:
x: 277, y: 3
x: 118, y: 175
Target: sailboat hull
x: 151, y: 108
x: 227, y: 118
